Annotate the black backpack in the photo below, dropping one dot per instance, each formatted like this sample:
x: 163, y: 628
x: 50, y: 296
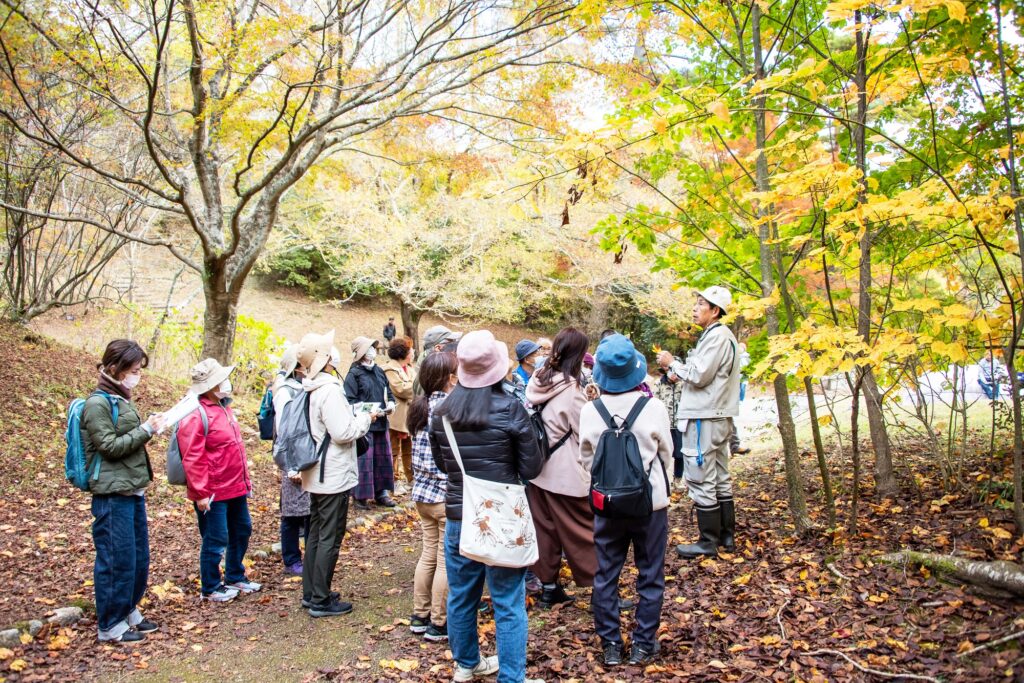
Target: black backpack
x: 619, y: 486
x: 541, y: 433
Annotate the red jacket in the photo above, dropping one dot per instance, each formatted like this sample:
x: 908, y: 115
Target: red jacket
x: 215, y: 463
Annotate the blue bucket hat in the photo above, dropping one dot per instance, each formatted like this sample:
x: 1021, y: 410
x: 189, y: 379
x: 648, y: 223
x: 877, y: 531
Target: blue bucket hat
x: 524, y: 348
x: 620, y: 367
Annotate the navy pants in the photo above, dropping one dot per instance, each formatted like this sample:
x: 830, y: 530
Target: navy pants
x: 121, y: 572
x: 649, y: 538
x: 225, y: 529
x: 291, y: 529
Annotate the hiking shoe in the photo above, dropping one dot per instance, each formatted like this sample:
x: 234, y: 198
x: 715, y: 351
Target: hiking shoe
x: 221, y: 593
x: 642, y: 656
x: 294, y: 569
x: 245, y: 586
x: 362, y: 504
x: 550, y: 597
x: 612, y: 654
x: 386, y: 501
x: 533, y: 584
x: 485, y: 667
x: 146, y: 626
x: 333, y: 597
x: 334, y: 608
x: 418, y: 625
x: 437, y: 634
x: 130, y: 636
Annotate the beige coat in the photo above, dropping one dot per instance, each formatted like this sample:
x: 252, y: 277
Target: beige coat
x: 330, y: 416
x: 710, y: 378
x: 652, y: 432
x: 401, y: 380
x: 563, y: 473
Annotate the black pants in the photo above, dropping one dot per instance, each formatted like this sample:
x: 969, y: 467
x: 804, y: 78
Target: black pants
x: 649, y: 538
x: 291, y: 529
x: 677, y: 453
x: 328, y: 516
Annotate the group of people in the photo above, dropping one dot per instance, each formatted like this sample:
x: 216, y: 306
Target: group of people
x: 467, y: 411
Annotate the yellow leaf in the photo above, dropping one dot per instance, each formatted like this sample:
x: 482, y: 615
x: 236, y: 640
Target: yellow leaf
x: 1000, y: 532
x: 771, y: 640
x: 956, y: 9
x: 803, y: 575
x: 5, y: 654
x: 964, y: 646
x: 25, y: 638
x: 400, y: 664
x: 983, y: 522
x: 720, y: 110
x: 18, y: 665
x: 825, y: 420
x: 741, y: 580
x: 58, y: 642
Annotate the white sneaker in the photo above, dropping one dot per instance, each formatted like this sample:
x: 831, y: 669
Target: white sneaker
x: 245, y: 586
x: 485, y: 667
x: 221, y: 594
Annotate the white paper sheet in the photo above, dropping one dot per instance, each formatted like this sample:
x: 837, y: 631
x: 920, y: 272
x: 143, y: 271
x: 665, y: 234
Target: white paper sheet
x: 179, y: 410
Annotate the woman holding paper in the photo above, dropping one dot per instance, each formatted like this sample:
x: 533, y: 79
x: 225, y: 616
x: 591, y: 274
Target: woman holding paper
x: 119, y: 530
x: 213, y: 456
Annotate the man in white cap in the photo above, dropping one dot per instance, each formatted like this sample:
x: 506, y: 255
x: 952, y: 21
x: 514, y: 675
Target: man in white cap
x: 710, y: 398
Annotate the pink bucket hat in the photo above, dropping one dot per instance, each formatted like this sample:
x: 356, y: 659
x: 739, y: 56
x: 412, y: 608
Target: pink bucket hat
x: 483, y: 360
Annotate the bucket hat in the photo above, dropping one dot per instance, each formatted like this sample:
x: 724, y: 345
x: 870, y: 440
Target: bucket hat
x: 483, y: 360
x: 360, y: 345
x: 524, y: 348
x: 208, y: 374
x: 315, y: 352
x: 438, y: 334
x: 619, y: 367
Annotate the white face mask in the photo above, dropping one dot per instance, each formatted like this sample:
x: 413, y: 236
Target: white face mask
x: 371, y: 355
x: 335, y: 358
x: 131, y: 381
x: 224, y: 390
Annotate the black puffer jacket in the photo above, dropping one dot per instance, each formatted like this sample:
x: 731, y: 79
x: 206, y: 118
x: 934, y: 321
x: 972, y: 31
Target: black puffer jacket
x: 369, y: 385
x: 505, y: 451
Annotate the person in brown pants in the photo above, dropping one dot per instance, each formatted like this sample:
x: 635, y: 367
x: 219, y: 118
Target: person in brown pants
x: 401, y: 373
x: 558, y: 497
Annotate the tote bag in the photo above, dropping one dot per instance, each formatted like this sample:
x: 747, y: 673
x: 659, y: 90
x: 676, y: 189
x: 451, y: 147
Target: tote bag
x: 497, y: 527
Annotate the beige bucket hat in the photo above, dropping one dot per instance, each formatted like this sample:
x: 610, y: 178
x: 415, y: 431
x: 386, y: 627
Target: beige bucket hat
x: 314, y: 352
x: 290, y: 359
x: 208, y: 374
x: 360, y: 345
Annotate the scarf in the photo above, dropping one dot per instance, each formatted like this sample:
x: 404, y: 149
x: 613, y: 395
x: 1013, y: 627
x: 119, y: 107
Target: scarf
x: 109, y: 385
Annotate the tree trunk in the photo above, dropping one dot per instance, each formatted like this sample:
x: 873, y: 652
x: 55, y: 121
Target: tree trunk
x: 1002, y: 577
x: 787, y: 430
x: 221, y: 313
x: 819, y: 449
x: 885, y: 479
x: 855, y: 455
x: 411, y: 323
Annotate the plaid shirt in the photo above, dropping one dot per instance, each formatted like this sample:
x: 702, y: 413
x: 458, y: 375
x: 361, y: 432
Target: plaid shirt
x: 429, y: 484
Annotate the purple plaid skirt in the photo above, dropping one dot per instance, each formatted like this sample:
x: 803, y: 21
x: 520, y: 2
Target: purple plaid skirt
x: 376, y: 469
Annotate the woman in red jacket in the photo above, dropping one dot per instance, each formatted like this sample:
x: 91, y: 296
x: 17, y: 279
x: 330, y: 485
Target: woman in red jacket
x: 213, y: 456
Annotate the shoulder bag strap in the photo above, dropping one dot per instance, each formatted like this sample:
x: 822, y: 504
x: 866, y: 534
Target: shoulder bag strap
x: 451, y: 443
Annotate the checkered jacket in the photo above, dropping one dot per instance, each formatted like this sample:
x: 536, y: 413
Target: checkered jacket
x: 429, y: 484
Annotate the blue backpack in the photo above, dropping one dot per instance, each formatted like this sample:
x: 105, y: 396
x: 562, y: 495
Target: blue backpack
x: 76, y: 470
x: 266, y: 417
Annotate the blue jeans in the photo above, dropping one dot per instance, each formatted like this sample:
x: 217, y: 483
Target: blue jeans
x: 508, y: 595
x: 991, y: 390
x: 225, y: 529
x: 121, y: 572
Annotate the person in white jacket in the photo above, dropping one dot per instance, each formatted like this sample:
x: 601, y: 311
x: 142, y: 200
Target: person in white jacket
x: 710, y: 400
x: 618, y: 373
x: 330, y: 417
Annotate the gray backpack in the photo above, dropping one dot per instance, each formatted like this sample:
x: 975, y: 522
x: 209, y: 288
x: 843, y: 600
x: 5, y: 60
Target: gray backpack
x: 294, y: 448
x: 175, y: 469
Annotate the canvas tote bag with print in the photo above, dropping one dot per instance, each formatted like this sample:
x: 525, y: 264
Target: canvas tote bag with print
x: 497, y: 527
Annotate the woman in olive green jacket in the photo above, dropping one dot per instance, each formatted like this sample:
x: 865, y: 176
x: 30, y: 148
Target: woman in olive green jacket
x: 119, y: 529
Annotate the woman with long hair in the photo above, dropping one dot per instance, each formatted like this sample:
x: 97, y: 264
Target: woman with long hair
x: 430, y: 585
x: 496, y: 442
x: 558, y: 496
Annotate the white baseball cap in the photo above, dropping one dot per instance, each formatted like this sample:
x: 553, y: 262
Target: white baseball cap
x: 717, y: 296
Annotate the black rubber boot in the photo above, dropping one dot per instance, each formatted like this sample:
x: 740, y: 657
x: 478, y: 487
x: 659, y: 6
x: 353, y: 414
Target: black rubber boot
x: 728, y: 539
x: 709, y: 522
